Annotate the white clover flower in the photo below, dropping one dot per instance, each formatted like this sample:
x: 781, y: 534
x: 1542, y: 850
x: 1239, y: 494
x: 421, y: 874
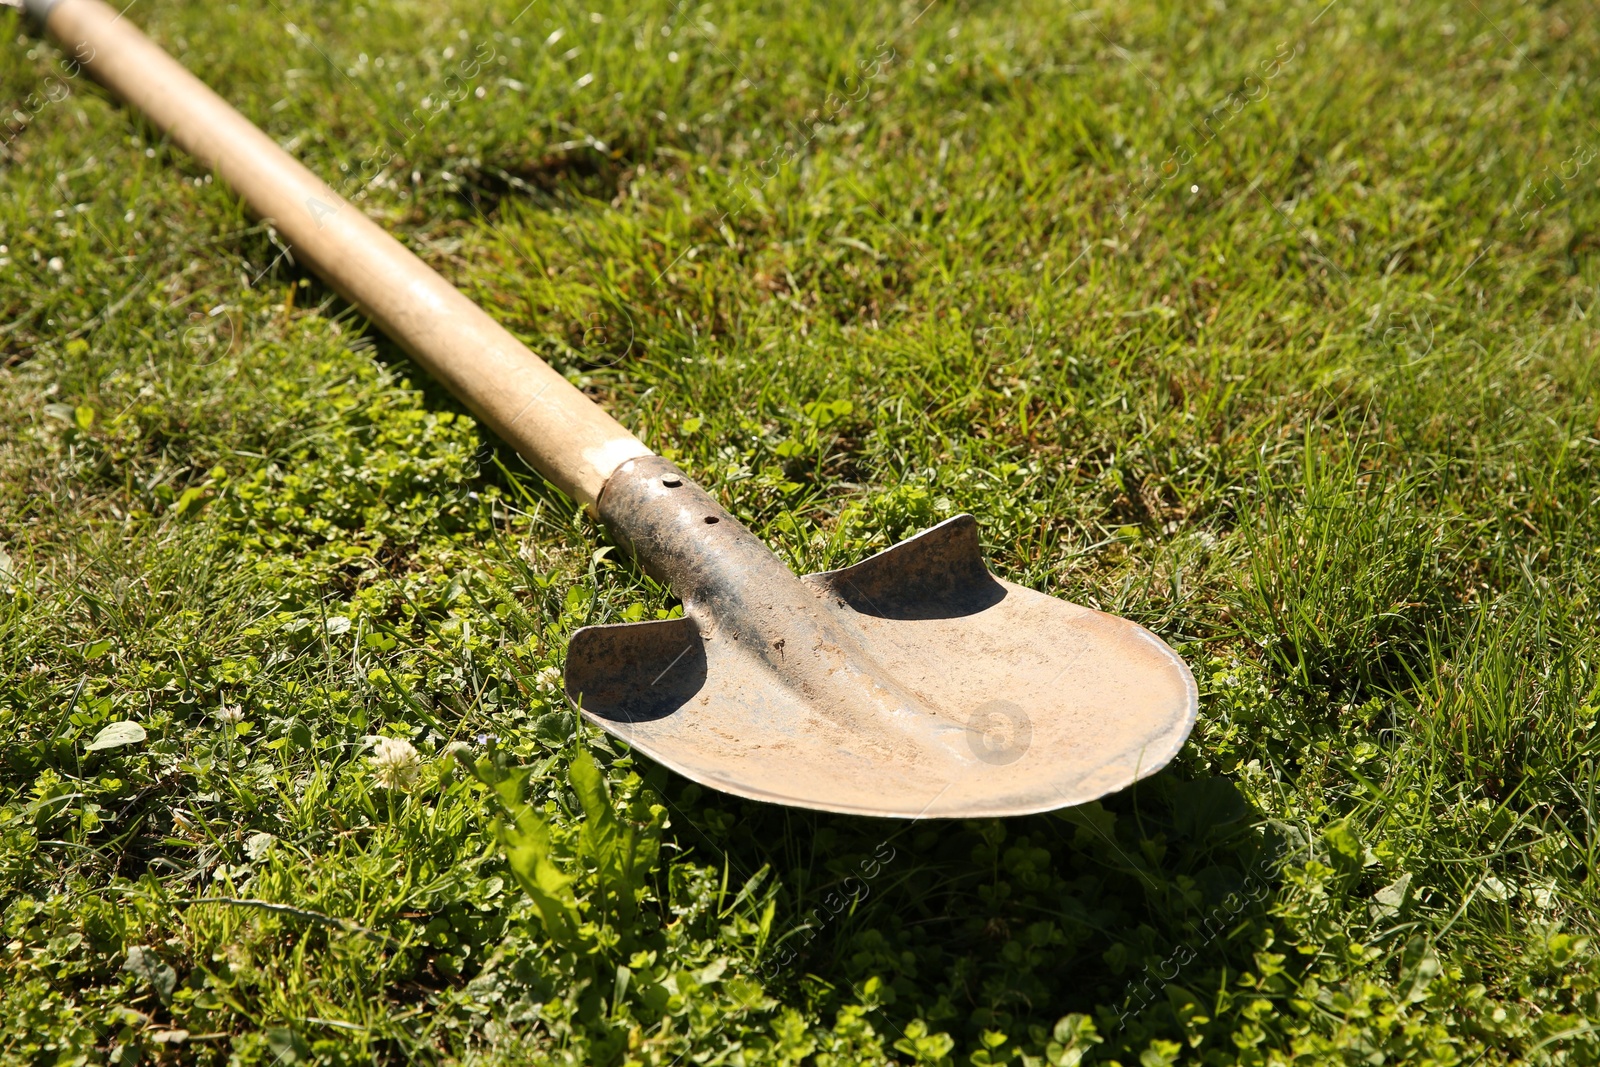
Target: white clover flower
x: 396, y: 764
x: 548, y: 679
x: 230, y: 715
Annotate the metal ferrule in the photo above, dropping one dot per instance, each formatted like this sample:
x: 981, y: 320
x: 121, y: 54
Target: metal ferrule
x: 681, y: 536
x: 739, y: 593
x: 731, y: 583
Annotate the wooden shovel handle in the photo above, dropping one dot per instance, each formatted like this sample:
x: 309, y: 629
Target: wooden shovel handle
x: 558, y: 430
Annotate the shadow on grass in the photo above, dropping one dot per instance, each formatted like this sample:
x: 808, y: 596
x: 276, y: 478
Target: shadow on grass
x: 1115, y: 910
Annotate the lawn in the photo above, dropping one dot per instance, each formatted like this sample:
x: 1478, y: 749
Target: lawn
x: 1266, y: 326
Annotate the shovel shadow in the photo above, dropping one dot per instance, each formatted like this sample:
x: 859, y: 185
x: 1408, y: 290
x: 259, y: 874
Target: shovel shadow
x: 1017, y: 922
x: 637, y: 672
x: 938, y: 574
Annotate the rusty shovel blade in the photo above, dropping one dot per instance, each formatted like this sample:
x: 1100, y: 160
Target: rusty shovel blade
x: 913, y: 684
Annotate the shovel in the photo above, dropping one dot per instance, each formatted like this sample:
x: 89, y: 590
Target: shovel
x: 913, y: 684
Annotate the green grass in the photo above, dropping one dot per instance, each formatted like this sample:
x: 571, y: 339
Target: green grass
x: 1302, y: 378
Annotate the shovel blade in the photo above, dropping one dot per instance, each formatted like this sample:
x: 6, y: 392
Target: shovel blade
x: 1024, y: 702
